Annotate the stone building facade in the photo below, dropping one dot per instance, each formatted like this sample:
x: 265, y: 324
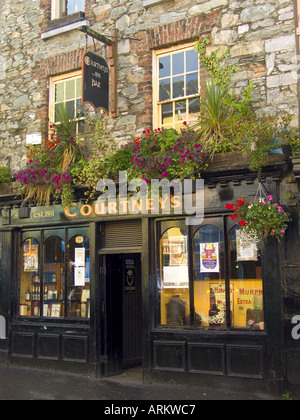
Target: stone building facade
x: 262, y: 39
x: 40, y: 43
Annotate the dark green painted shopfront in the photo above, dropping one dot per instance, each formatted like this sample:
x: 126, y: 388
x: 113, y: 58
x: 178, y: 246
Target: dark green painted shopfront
x: 99, y: 294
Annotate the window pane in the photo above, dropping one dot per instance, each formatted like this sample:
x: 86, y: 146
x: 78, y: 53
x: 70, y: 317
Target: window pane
x: 192, y: 61
x: 209, y: 281
x: 30, y: 286
x: 192, y: 86
x: 74, y: 6
x: 59, y: 92
x: 167, y: 113
x: 175, y: 295
x: 180, y: 111
x: 78, y: 87
x: 194, y: 108
x: 178, y: 63
x: 71, y: 109
x: 246, y: 283
x: 178, y: 87
x: 79, y: 109
x: 54, y: 277
x: 79, y: 277
x: 164, y: 89
x: 164, y: 67
x: 70, y: 89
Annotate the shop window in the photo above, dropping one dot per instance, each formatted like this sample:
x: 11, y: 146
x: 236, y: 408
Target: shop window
x: 218, y: 284
x: 56, y: 282
x: 54, y: 277
x: 176, y: 87
x: 61, y: 8
x: 30, y: 286
x: 209, y: 277
x: 78, y: 287
x: 246, y: 282
x: 65, y: 94
x: 175, y: 295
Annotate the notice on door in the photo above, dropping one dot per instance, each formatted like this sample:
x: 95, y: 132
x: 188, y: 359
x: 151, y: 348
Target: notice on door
x: 130, y: 276
x: 79, y: 272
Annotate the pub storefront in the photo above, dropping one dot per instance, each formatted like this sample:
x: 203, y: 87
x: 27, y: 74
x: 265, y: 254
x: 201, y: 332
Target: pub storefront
x: 99, y: 294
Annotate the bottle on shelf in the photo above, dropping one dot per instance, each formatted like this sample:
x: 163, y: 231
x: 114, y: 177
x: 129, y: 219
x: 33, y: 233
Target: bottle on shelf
x: 46, y: 293
x: 28, y: 295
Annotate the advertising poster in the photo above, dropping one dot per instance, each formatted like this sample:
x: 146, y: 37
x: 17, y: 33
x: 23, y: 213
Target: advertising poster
x: 209, y: 258
x: 246, y: 250
x: 31, y: 257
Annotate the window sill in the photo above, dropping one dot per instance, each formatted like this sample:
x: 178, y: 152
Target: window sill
x: 64, y: 25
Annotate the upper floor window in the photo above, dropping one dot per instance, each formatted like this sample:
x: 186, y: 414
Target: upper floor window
x: 61, y: 8
x: 176, y: 87
x: 65, y: 91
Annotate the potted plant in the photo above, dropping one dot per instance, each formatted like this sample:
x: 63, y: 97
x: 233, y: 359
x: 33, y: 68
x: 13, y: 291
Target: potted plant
x: 49, y: 172
x: 259, y: 219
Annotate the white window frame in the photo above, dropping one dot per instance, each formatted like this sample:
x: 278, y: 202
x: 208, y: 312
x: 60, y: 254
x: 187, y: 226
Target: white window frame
x: 157, y: 105
x: 53, y: 82
x: 58, y: 9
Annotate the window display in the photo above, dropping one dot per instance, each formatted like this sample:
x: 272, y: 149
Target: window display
x: 54, y: 276
x: 30, y: 278
x: 175, y: 278
x: 209, y: 276
x: 78, y: 289
x: 247, y: 283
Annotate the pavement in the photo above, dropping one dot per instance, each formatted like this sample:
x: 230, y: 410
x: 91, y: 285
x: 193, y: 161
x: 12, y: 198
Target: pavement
x: 31, y: 384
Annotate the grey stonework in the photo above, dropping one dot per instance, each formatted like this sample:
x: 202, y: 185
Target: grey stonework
x: 262, y: 37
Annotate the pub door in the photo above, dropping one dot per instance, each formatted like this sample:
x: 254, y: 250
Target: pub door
x: 122, y: 313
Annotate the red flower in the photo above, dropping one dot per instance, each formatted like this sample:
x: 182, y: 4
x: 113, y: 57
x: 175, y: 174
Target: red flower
x: 242, y: 223
x: 137, y: 141
x: 233, y: 217
x: 241, y: 202
x: 230, y: 207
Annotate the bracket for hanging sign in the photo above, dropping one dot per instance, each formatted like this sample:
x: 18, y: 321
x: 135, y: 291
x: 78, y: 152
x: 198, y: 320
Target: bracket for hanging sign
x: 113, y: 61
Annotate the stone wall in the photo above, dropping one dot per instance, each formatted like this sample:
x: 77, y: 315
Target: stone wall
x: 261, y: 35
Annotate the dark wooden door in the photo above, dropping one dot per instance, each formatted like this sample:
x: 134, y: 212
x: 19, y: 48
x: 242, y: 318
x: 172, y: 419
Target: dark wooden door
x: 123, y: 312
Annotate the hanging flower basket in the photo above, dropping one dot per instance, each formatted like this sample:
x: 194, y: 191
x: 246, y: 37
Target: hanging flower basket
x: 261, y: 218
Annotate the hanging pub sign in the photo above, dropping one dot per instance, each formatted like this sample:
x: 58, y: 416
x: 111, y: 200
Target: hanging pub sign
x: 95, y: 81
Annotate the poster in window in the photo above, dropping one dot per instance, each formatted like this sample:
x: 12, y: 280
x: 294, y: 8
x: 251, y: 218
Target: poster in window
x: 175, y: 248
x: 209, y: 258
x: 246, y: 249
x: 31, y: 257
x: 79, y: 280
x: 79, y: 257
x: 176, y: 277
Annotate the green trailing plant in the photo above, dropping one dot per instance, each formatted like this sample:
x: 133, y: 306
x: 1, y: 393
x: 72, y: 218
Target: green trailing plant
x: 5, y: 175
x: 227, y: 122
x: 215, y: 64
x: 221, y: 110
x: 48, y: 172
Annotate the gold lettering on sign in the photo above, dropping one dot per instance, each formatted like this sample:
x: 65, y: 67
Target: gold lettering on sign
x: 43, y: 214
